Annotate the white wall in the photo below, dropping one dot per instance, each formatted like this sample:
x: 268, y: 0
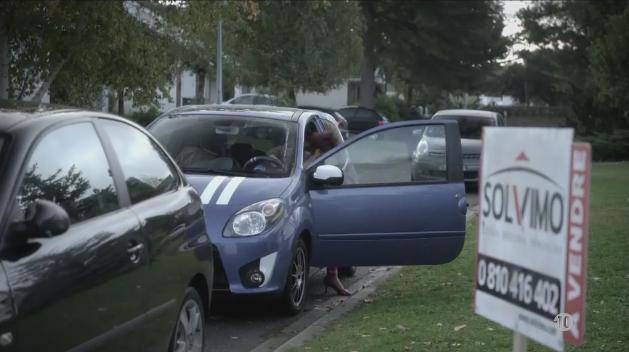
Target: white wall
x: 505, y: 100
x: 334, y: 98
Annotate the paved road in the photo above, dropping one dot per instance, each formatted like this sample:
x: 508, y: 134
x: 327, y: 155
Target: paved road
x: 238, y: 324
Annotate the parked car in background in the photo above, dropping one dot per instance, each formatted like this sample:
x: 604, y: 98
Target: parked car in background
x: 256, y: 99
x: 471, y: 123
x: 275, y: 206
x: 103, y: 241
x: 360, y: 119
x: 341, y: 122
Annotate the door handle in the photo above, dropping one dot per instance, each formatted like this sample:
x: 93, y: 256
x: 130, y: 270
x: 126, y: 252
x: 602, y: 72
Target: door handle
x: 134, y: 251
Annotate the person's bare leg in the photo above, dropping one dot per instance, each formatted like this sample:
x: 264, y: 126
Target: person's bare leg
x: 332, y: 280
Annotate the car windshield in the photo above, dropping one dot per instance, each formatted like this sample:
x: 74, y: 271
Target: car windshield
x: 470, y: 127
x: 231, y: 145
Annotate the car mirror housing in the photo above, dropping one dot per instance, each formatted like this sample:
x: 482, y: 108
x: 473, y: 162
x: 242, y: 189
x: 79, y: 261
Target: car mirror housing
x: 43, y: 219
x: 327, y: 175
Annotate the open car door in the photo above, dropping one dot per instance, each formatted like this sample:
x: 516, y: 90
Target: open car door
x: 393, y: 195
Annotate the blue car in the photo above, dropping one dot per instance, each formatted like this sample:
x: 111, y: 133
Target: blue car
x: 282, y: 192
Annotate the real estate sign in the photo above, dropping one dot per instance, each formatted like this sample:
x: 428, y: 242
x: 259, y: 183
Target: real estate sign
x: 532, y: 239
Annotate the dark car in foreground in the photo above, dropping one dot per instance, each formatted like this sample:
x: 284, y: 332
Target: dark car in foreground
x: 276, y: 202
x: 360, y: 119
x: 103, y: 245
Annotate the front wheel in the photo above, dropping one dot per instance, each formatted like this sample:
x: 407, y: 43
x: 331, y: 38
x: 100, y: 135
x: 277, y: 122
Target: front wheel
x: 189, y: 331
x: 294, y: 295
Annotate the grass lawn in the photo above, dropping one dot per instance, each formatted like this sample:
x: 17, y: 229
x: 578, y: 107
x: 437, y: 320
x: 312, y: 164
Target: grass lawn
x: 431, y: 308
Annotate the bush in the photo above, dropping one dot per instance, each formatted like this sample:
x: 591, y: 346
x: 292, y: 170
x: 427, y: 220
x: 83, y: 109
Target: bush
x: 609, y: 146
x: 388, y: 106
x: 144, y: 117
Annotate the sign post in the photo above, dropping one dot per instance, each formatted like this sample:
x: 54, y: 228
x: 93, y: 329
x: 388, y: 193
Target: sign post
x: 532, y: 234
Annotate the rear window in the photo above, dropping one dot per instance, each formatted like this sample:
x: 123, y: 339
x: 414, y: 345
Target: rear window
x: 470, y: 127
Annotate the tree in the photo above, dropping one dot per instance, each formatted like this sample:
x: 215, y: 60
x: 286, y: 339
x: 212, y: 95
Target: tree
x: 580, y: 43
x: 294, y: 45
x: 75, y: 48
x: 609, y: 56
x: 448, y: 45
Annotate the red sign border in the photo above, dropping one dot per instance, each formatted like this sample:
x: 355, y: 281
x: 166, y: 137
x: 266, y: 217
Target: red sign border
x: 576, y: 307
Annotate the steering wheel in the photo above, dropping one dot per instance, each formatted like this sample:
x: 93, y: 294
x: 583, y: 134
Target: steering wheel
x: 253, y: 162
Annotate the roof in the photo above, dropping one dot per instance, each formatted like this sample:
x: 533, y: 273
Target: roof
x: 466, y: 112
x: 24, y: 114
x: 265, y: 111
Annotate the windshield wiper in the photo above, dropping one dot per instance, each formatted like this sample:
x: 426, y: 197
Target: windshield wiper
x: 206, y: 170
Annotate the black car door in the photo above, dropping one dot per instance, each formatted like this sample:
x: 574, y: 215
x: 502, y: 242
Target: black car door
x: 78, y: 290
x: 172, y: 219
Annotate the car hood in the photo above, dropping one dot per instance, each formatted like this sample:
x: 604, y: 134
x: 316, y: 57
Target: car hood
x: 237, y: 191
x: 470, y: 146
x: 223, y: 196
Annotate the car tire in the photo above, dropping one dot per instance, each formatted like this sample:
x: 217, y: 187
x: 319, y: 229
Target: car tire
x: 191, y: 311
x: 347, y: 271
x: 296, y: 287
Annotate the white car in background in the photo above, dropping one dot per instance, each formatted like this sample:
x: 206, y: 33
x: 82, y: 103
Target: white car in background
x: 471, y: 123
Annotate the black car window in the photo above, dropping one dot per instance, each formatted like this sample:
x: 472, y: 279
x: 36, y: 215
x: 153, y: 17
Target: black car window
x: 470, y: 127
x: 246, y: 99
x: 367, y: 115
x: 347, y: 113
x: 146, y: 169
x: 69, y: 167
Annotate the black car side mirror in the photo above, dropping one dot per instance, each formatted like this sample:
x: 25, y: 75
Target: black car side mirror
x: 43, y: 219
x: 327, y: 175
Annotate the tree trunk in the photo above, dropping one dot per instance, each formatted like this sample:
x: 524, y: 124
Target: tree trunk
x: 367, y: 81
x: 200, y: 87
x: 43, y: 89
x: 121, y: 102
x: 178, y: 89
x: 4, y: 60
x: 409, y: 95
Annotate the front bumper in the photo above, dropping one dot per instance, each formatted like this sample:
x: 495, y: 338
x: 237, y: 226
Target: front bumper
x: 237, y: 258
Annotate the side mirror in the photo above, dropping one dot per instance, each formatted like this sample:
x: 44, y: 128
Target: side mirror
x: 43, y: 219
x: 327, y: 175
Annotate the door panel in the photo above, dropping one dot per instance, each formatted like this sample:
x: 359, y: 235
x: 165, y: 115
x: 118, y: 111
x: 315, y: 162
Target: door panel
x: 402, y: 201
x: 173, y: 227
x: 78, y: 289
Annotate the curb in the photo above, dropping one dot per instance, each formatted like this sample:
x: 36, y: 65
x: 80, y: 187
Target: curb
x: 313, y: 323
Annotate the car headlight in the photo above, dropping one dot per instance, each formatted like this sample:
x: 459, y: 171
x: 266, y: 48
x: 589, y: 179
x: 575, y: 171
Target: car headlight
x: 422, y: 148
x: 255, y: 219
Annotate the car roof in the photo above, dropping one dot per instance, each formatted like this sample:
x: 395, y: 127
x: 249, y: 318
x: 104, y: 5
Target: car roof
x: 264, y: 111
x: 17, y: 114
x: 466, y: 112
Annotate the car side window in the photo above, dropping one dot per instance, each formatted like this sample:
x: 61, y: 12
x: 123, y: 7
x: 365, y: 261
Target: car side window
x: 246, y: 100
x: 147, y: 171
x: 330, y: 127
x: 396, y: 155
x: 69, y: 167
x: 310, y: 142
x: 366, y: 115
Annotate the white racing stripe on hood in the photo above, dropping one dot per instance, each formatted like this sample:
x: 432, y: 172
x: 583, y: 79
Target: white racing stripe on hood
x: 229, y: 190
x: 211, y: 188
